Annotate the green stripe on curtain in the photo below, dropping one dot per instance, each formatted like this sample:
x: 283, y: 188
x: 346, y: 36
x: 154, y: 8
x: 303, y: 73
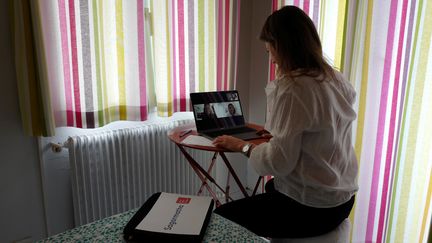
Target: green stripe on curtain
x: 321, y: 18
x: 33, y: 89
x: 344, y: 37
x: 351, y: 61
x: 340, y: 34
x: 364, y: 82
x: 201, y: 47
x: 120, y: 59
x: 98, y: 60
x: 30, y: 69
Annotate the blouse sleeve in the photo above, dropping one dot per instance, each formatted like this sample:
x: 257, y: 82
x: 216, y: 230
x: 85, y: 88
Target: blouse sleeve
x: 279, y: 156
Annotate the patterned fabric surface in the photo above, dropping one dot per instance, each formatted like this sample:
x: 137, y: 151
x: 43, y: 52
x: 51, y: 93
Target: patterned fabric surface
x: 110, y: 230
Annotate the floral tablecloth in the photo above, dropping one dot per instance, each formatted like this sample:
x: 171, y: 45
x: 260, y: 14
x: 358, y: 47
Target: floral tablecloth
x: 110, y: 230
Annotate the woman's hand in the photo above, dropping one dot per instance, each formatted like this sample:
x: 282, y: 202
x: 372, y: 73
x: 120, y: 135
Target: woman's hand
x: 229, y: 142
x: 264, y: 134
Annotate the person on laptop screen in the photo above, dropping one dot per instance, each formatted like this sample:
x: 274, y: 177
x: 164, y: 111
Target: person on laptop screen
x: 219, y: 112
x: 208, y: 112
x: 235, y: 117
x: 310, y: 154
x: 232, y: 110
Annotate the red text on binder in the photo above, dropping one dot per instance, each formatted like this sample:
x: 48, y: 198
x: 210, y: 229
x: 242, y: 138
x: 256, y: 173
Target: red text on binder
x: 183, y: 200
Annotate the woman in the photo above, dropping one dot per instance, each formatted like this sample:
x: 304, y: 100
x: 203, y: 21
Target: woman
x: 231, y: 110
x: 208, y: 112
x: 310, y: 155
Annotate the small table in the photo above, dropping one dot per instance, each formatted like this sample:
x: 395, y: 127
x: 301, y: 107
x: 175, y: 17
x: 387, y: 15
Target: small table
x: 204, y: 175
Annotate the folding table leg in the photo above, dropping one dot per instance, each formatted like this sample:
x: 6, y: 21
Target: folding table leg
x: 256, y: 185
x: 202, y: 174
x: 227, y: 187
x: 227, y: 163
x: 208, y: 171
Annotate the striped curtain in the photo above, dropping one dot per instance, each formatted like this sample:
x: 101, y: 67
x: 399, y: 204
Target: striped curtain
x: 384, y: 48
x: 195, y: 46
x: 110, y: 60
x: 31, y: 69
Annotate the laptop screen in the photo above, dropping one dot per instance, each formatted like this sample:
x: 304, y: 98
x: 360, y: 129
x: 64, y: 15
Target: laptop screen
x: 217, y: 110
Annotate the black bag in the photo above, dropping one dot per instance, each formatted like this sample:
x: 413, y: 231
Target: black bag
x: 185, y: 205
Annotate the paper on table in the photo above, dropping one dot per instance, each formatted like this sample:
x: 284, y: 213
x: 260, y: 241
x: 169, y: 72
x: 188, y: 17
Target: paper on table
x: 197, y: 140
x: 176, y: 214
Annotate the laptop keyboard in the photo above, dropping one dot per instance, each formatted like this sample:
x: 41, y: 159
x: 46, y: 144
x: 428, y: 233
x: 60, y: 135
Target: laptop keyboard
x: 231, y: 131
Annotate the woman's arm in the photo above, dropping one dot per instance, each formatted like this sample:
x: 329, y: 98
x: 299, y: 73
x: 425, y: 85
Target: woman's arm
x: 232, y: 143
x: 290, y: 118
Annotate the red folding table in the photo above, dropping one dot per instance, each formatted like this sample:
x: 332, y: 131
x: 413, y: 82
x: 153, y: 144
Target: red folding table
x: 204, y: 175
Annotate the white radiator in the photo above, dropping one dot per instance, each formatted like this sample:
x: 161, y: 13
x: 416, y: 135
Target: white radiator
x: 115, y: 171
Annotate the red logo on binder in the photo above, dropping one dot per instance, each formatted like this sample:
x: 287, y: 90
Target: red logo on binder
x: 183, y: 200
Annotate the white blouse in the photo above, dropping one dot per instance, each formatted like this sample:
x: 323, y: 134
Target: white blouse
x: 310, y: 155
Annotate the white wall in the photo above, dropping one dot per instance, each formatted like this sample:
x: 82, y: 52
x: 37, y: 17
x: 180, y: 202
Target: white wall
x: 258, y: 69
x: 258, y: 62
x: 21, y: 207
x: 21, y: 200
x: 253, y: 59
x: 252, y: 76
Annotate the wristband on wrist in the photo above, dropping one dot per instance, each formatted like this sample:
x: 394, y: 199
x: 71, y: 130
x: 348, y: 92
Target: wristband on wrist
x: 247, y: 149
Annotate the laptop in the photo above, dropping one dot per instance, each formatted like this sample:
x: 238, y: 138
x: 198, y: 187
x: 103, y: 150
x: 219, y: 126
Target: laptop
x: 220, y: 113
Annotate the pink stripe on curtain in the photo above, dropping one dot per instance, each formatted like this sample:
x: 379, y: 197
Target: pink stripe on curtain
x: 237, y: 42
x: 65, y: 58
x: 181, y: 54
x: 142, y: 60
x: 391, y: 133
x: 75, y: 70
x: 296, y: 3
x: 226, y: 56
x: 219, y: 46
x: 316, y: 12
x: 275, y: 5
x: 171, y: 26
x: 272, y: 71
x: 381, y: 129
x: 75, y: 74
x: 306, y: 7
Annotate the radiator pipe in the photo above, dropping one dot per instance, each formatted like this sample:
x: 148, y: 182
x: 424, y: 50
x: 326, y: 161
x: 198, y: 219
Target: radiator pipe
x: 57, y: 147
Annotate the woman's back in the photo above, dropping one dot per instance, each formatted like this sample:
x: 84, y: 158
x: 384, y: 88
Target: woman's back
x: 323, y: 172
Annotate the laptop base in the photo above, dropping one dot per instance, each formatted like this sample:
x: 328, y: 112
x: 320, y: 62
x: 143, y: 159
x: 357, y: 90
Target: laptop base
x: 243, y: 136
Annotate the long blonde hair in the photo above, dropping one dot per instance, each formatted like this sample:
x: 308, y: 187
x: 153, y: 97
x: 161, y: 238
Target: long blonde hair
x: 294, y: 37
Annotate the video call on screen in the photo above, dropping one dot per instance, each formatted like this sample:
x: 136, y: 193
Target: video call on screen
x: 217, y: 110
